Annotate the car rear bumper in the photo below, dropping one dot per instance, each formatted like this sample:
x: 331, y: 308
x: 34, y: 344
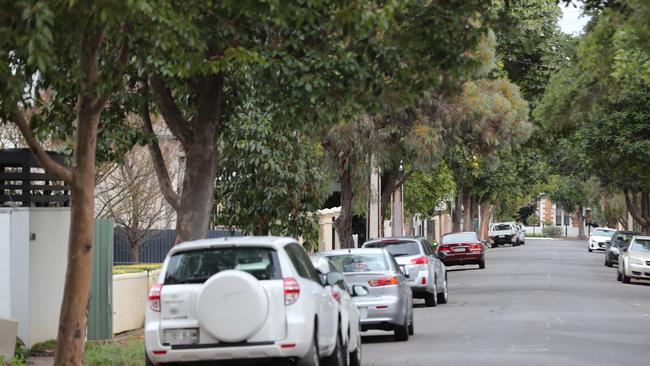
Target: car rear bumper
x: 379, y: 312
x: 460, y: 259
x: 295, y: 345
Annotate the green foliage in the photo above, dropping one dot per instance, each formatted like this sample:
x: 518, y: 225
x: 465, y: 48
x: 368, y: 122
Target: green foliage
x: 425, y: 191
x: 136, y: 268
x: 551, y: 231
x: 45, y: 348
x: 567, y: 191
x: 270, y: 179
x: 532, y: 220
x: 114, y: 353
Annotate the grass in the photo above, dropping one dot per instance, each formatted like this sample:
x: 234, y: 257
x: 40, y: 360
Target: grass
x: 136, y: 268
x: 43, y: 348
x: 130, y: 353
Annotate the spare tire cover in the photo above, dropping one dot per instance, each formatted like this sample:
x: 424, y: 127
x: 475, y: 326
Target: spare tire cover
x: 232, y: 306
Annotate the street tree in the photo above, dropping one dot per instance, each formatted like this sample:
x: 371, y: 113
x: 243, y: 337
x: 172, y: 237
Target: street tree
x: 62, y: 64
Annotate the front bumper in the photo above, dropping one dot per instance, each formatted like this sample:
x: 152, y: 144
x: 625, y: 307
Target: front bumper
x: 598, y: 245
x: 638, y: 271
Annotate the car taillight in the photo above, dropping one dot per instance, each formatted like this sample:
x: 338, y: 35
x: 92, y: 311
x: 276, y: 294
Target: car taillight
x: 291, y: 291
x: 444, y: 249
x: 475, y: 248
x: 384, y: 281
x: 154, y: 297
x: 420, y: 260
x: 336, y: 296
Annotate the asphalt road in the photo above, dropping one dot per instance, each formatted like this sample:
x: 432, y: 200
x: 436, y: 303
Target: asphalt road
x: 544, y: 303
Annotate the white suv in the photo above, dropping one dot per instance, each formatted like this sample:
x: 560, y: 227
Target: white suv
x: 241, y: 298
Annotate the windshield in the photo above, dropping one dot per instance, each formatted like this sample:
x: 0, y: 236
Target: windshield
x: 459, y: 238
x: 397, y: 248
x: 198, y: 265
x: 601, y: 232
x: 500, y: 227
x: 641, y: 245
x: 359, y: 262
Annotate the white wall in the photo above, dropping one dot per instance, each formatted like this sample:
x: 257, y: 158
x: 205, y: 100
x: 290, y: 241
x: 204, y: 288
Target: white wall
x: 130, y: 293
x: 5, y: 261
x: 47, y: 263
x: 20, y: 269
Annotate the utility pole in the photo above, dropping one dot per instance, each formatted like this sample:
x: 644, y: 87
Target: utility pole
x: 374, y: 201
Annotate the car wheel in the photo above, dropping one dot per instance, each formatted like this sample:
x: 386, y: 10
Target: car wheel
x: 443, y: 297
x: 481, y: 265
x: 312, y: 357
x: 355, y: 357
x: 411, y: 328
x: 401, y: 333
x: 608, y: 263
x: 431, y: 299
x: 147, y: 360
x: 589, y: 249
x: 625, y: 278
x: 618, y: 275
x: 340, y: 356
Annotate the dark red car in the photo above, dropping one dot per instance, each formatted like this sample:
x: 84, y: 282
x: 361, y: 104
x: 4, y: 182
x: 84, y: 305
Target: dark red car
x: 462, y: 248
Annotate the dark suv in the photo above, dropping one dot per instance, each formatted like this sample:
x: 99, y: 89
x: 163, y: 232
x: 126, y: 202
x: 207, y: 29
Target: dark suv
x: 620, y: 241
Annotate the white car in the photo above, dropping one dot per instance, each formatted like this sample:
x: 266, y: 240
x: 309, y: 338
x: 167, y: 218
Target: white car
x: 350, y: 315
x: 599, y: 239
x: 634, y: 261
x: 242, y: 298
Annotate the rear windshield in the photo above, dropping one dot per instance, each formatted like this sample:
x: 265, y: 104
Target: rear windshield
x: 359, y: 262
x: 641, y: 245
x: 198, y: 265
x: 600, y: 232
x: 397, y: 248
x: 460, y: 238
x: 501, y: 227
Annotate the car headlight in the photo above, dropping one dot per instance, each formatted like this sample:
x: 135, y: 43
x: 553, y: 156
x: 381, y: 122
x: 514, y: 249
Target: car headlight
x: 636, y: 261
x: 614, y: 250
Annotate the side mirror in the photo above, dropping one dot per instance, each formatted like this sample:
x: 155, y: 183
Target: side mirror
x: 333, y: 278
x: 358, y: 290
x: 442, y: 255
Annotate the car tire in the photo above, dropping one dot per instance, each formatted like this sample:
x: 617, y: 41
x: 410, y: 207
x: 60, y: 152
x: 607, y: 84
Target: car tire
x: 411, y: 327
x: 312, y: 357
x: 618, y: 275
x: 401, y: 333
x: 431, y: 299
x: 608, y: 263
x: 625, y: 278
x: 589, y: 249
x: 481, y: 265
x: 147, y: 360
x: 340, y: 356
x: 443, y: 297
x: 355, y: 357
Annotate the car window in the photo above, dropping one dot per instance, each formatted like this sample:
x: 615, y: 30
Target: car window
x: 375, y: 262
x: 197, y: 266
x: 342, y: 285
x: 640, y: 245
x: 398, y: 248
x: 600, y: 232
x: 301, y: 262
x: 426, y: 247
x: 459, y: 238
x: 500, y: 227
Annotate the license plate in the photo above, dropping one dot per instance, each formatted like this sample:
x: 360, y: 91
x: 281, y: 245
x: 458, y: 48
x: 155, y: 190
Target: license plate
x: 458, y: 249
x: 363, y: 313
x: 181, y: 336
x: 502, y: 236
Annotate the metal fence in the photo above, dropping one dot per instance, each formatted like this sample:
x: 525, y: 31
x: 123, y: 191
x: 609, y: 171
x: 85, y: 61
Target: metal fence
x: 155, y: 247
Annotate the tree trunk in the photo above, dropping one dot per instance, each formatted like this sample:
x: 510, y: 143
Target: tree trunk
x: 640, y: 216
x: 467, y: 212
x: 73, y: 317
x: 457, y: 209
x: 193, y: 216
x: 581, y: 221
x: 343, y: 223
x: 262, y: 228
x: 408, y: 225
x: 135, y: 252
x: 485, y: 212
x: 473, y: 213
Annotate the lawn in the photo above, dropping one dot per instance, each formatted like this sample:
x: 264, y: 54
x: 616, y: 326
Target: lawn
x: 135, y: 268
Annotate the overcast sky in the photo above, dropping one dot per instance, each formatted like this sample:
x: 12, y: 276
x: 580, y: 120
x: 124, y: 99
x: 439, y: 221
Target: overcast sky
x: 572, y: 21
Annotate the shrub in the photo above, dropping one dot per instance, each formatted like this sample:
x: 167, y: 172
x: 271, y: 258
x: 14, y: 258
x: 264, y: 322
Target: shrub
x: 553, y: 231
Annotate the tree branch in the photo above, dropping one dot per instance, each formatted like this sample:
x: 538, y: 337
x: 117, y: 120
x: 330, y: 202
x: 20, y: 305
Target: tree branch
x: 633, y: 209
x: 173, y: 116
x: 119, y: 69
x: 159, y: 163
x: 49, y: 164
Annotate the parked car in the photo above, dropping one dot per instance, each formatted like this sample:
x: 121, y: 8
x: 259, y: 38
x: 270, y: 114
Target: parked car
x: 620, y: 240
x: 387, y: 302
x: 461, y: 249
x: 350, y: 316
x: 634, y: 261
x: 426, y: 273
x: 503, y: 233
x: 242, y: 298
x: 599, y: 239
x: 521, y: 235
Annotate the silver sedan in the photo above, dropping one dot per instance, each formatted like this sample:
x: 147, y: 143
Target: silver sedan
x: 388, y: 304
